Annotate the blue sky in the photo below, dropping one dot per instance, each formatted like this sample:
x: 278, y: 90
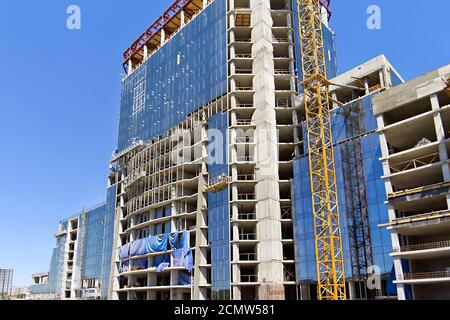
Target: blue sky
x: 60, y: 90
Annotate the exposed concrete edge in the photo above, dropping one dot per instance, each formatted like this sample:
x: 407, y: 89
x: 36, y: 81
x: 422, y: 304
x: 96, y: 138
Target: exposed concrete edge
x: 413, y: 90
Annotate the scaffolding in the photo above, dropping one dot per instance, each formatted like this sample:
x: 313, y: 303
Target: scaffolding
x: 356, y: 199
x: 61, y: 239
x: 80, y: 255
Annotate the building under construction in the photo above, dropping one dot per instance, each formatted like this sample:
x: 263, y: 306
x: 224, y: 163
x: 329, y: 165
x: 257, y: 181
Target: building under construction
x: 209, y: 195
x: 211, y: 178
x: 80, y: 262
x: 414, y: 126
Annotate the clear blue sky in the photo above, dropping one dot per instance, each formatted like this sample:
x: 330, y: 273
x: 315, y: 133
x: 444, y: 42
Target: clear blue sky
x: 60, y: 89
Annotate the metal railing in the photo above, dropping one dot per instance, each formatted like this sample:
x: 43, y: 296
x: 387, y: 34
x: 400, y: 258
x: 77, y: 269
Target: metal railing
x: 415, y: 163
x: 426, y: 275
x: 247, y: 216
x: 244, y: 122
x: 239, y: 88
x: 243, y: 55
x: 245, y: 105
x: 246, y: 196
x: 246, y: 177
x: 249, y: 278
x: 247, y: 236
x: 245, y: 158
x: 425, y: 246
x: 247, y: 257
x: 282, y: 71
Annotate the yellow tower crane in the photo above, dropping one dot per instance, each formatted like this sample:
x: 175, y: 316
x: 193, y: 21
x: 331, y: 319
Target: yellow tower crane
x: 329, y: 256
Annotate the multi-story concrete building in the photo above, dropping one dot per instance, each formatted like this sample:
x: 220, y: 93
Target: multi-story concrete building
x: 6, y: 280
x: 209, y: 191
x: 360, y: 188
x: 209, y: 181
x: 414, y: 126
x: 76, y: 270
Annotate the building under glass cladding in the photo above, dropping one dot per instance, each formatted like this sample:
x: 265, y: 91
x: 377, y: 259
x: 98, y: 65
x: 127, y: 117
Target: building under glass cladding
x: 6, y: 280
x: 83, y: 247
x: 209, y: 128
x: 361, y: 190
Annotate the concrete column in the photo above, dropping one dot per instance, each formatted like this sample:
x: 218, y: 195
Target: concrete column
x: 232, y: 22
x: 145, y: 52
x: 182, y: 18
x: 270, y: 271
x: 366, y: 85
x: 382, y: 78
x: 130, y: 67
x: 232, y: 52
x: 231, y: 4
x: 351, y: 290
x: 439, y: 126
x: 440, y: 134
x: 163, y: 36
x: 448, y: 201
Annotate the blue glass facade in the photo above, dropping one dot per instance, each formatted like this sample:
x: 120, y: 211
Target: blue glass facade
x: 55, y: 273
x: 376, y: 196
x: 108, y: 241
x: 218, y: 210
x: 395, y: 79
x: 329, y: 48
x: 184, y: 74
x: 95, y: 228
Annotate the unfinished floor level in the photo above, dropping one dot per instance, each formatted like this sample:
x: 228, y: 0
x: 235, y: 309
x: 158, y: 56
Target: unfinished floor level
x: 414, y: 128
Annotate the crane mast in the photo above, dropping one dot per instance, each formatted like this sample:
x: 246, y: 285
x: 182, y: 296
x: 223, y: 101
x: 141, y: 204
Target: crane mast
x: 327, y: 231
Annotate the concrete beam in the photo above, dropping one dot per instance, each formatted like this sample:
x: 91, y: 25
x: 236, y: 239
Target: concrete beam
x: 413, y: 90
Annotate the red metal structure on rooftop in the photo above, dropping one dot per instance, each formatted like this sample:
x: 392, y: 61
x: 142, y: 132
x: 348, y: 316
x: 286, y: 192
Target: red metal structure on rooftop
x: 161, y: 22
x: 157, y: 26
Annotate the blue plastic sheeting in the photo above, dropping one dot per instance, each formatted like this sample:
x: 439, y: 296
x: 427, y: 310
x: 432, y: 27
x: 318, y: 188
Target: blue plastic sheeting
x: 150, y: 245
x: 173, y: 240
x: 124, y: 266
x: 161, y: 259
x: 184, y: 279
x: 134, y: 247
x: 141, y: 263
x: 124, y: 252
x: 189, y: 261
x: 178, y: 258
x: 183, y: 259
x: 162, y: 267
x: 184, y: 242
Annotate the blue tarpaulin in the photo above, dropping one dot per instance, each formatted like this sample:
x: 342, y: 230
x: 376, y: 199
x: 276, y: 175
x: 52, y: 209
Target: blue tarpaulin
x: 134, y: 247
x: 189, y: 261
x: 183, y: 259
x: 143, y: 263
x: 184, y: 243
x: 184, y: 278
x: 124, y: 266
x: 124, y: 252
x: 178, y: 258
x: 162, y: 266
x: 156, y: 244
x: 173, y: 240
